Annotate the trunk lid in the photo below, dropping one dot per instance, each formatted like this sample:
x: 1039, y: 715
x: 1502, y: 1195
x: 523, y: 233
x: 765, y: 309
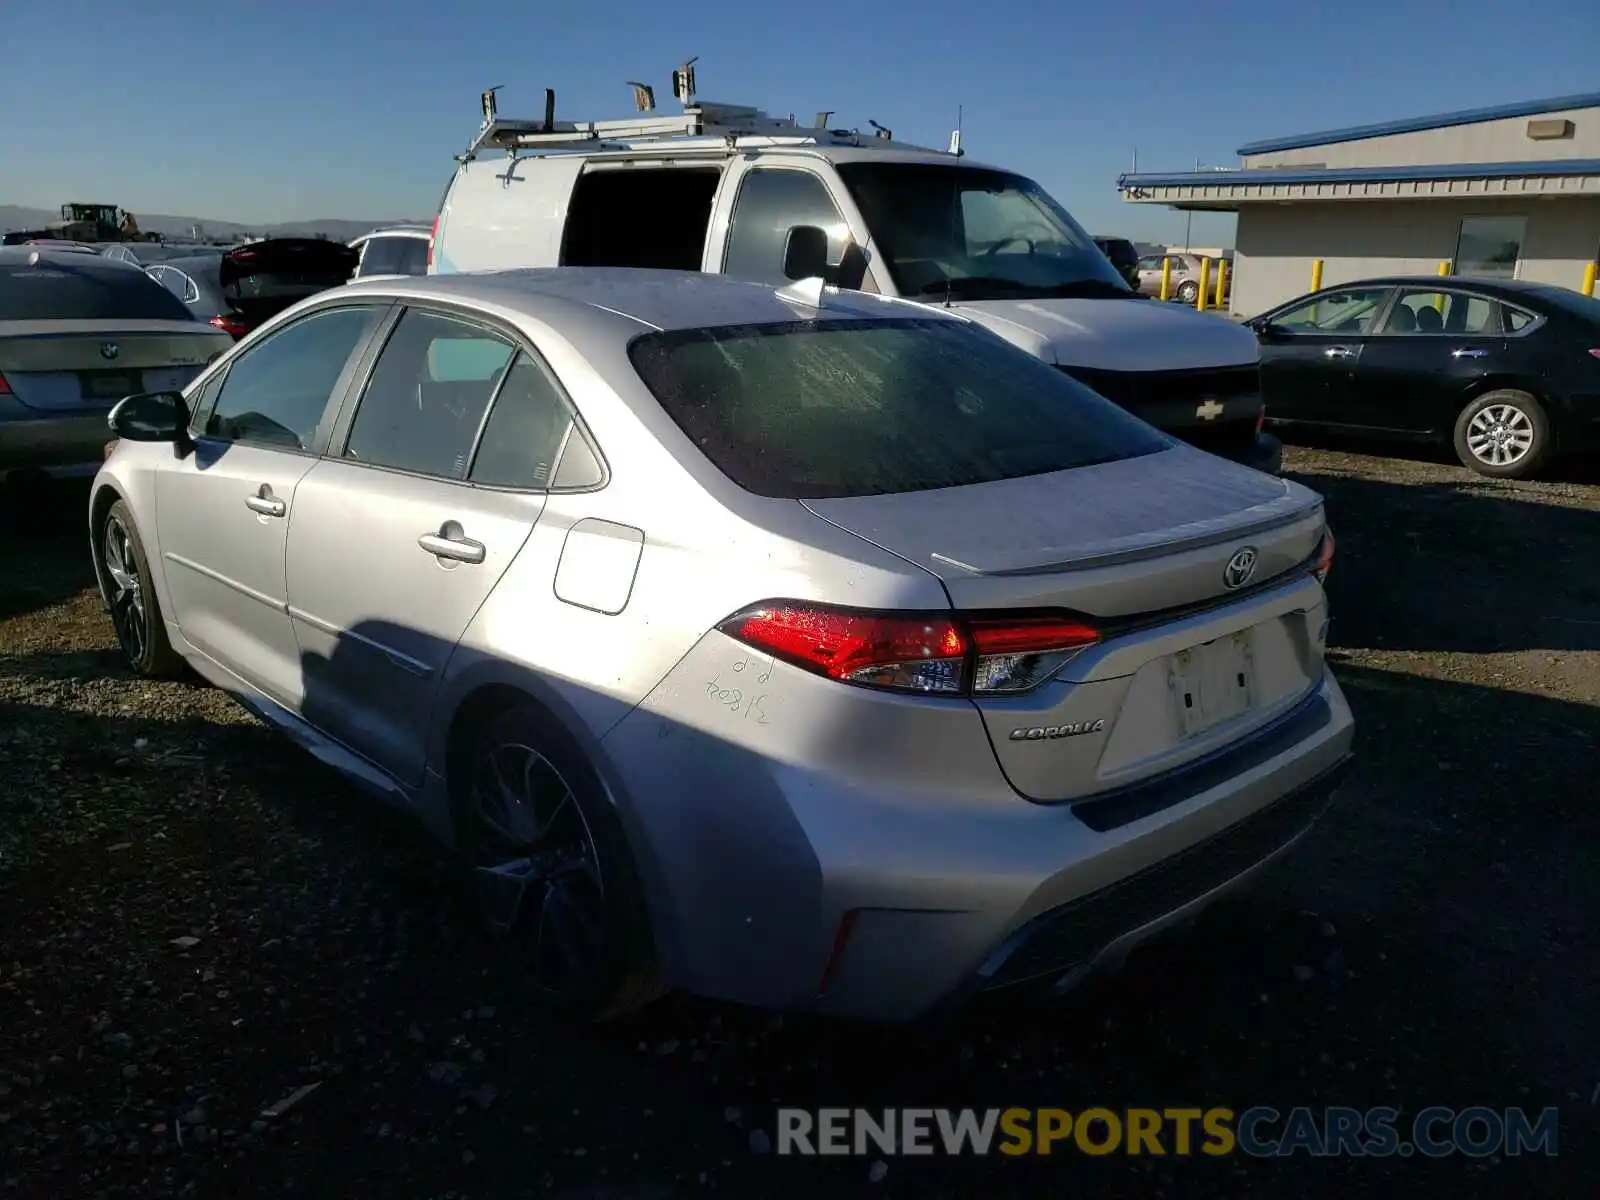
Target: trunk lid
x: 279, y: 266
x: 1113, y: 540
x: 1192, y: 658
x: 55, y: 366
x: 261, y: 279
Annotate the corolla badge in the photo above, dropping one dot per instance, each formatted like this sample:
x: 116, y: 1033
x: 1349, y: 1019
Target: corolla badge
x: 1240, y: 568
x: 109, y: 350
x: 1049, y: 732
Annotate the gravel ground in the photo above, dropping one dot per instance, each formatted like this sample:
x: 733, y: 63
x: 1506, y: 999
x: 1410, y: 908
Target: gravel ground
x: 196, y: 920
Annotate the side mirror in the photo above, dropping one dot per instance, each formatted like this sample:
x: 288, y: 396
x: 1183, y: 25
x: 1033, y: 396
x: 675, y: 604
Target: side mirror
x: 151, y: 417
x: 1263, y: 328
x: 805, y: 253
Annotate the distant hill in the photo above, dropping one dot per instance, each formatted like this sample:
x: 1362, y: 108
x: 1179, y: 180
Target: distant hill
x: 14, y: 216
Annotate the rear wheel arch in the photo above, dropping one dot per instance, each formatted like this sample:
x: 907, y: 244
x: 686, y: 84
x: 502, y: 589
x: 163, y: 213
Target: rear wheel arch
x: 480, y: 713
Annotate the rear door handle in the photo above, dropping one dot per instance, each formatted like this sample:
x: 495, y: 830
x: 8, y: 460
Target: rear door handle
x: 265, y: 503
x: 1338, y: 352
x: 1467, y: 352
x: 452, y: 543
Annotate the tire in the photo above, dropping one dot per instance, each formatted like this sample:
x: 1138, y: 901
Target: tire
x: 130, y: 598
x: 1188, y: 291
x: 508, y: 858
x: 1507, y: 425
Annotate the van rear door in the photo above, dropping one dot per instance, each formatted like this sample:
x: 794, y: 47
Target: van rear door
x: 500, y: 214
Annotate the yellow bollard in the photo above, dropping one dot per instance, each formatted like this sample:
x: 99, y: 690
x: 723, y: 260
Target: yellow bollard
x: 1444, y: 267
x: 1588, y: 279
x: 1166, y: 278
x: 1205, y: 279
x: 1222, y: 281
x: 1316, y: 274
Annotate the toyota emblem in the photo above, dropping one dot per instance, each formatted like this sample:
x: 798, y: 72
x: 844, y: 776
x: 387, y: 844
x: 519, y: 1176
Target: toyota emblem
x: 1240, y: 568
x: 108, y: 350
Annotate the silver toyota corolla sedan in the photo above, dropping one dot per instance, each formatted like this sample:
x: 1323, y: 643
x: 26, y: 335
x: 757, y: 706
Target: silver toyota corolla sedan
x: 799, y: 648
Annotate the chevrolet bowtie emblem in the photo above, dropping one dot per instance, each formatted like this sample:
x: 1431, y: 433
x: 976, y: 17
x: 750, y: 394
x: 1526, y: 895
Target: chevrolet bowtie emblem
x: 1209, y: 409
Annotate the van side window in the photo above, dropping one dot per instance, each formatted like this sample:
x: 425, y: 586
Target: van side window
x: 640, y: 217
x: 770, y: 202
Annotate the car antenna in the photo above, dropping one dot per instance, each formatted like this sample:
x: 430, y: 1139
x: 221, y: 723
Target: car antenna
x: 955, y: 195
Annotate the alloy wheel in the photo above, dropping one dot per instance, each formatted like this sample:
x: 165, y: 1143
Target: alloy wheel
x: 1500, y: 435
x: 535, y: 870
x: 126, y: 597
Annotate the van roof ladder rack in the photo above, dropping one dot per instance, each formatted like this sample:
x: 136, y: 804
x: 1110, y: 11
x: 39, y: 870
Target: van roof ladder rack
x: 699, y: 119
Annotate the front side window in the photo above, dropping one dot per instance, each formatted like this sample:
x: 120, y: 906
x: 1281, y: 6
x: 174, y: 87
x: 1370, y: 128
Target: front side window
x: 976, y: 234
x: 1441, y: 313
x: 770, y: 202
x: 276, y: 392
x: 814, y: 409
x: 1490, y: 246
x: 427, y: 395
x: 1343, y: 312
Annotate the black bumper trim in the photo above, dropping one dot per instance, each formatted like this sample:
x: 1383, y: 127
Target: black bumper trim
x: 1074, y: 934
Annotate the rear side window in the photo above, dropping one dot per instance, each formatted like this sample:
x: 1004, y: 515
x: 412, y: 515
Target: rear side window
x: 526, y: 431
x: 821, y: 409
x: 72, y: 292
x: 429, y: 390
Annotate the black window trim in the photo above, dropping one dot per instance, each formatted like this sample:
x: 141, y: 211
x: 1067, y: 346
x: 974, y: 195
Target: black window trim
x: 1406, y: 289
x: 336, y: 396
x: 1536, y: 319
x: 339, y: 431
x: 759, y: 168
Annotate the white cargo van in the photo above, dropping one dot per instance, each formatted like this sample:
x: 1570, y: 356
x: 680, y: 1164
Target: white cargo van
x: 729, y: 189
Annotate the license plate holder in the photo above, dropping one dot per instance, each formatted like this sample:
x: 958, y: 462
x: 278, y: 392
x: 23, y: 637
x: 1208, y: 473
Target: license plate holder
x: 1212, y: 683
x: 109, y: 385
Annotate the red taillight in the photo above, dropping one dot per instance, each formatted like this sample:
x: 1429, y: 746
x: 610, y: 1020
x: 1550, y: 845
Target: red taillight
x: 231, y: 325
x: 5, y: 388
x: 433, y: 233
x: 1595, y: 353
x: 1324, y: 562
x: 947, y: 655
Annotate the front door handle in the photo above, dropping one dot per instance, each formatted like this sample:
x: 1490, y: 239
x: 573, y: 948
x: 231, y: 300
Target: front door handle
x: 265, y: 503
x: 452, y: 543
x: 1467, y: 352
x: 1338, y: 352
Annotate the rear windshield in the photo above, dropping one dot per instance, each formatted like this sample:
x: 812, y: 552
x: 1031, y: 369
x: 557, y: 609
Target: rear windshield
x: 69, y: 292
x: 819, y: 409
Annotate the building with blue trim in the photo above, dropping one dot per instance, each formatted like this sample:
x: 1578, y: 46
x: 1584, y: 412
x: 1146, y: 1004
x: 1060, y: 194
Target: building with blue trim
x: 1511, y: 190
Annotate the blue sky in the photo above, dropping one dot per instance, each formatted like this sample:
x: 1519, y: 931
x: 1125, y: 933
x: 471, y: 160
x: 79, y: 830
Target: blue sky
x: 263, y: 110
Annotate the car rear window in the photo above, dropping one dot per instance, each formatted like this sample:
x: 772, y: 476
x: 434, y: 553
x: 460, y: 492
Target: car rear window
x: 70, y: 292
x: 823, y: 409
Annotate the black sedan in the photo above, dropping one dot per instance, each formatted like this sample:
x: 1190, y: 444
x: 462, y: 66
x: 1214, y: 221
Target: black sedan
x: 239, y: 288
x: 1508, y: 372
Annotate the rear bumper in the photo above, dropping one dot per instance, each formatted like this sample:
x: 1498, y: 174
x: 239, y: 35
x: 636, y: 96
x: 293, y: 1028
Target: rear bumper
x: 66, y: 445
x: 885, y: 893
